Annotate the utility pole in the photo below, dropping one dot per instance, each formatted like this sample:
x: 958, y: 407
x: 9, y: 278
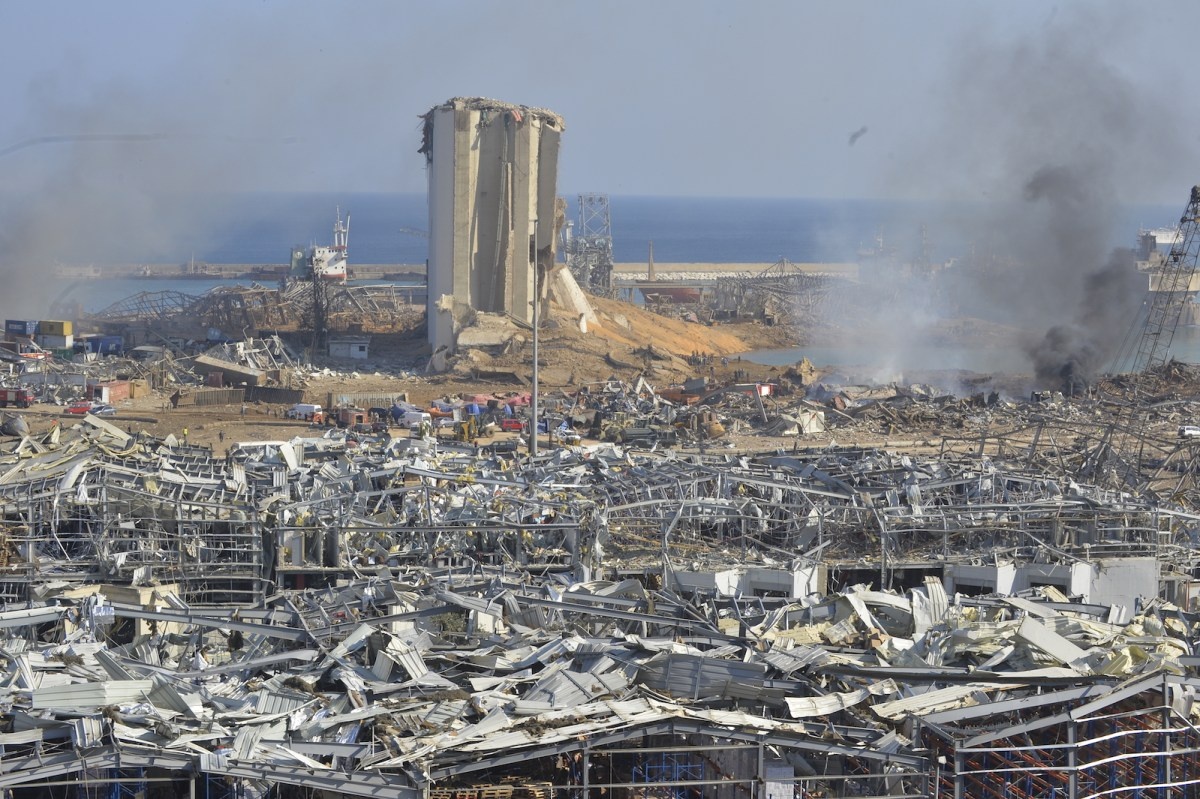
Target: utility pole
x: 537, y: 301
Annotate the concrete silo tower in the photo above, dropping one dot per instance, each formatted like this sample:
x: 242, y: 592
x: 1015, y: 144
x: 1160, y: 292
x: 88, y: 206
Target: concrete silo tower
x: 493, y: 170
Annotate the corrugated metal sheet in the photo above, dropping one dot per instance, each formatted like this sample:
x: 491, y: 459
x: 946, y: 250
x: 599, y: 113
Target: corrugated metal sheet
x: 87, y: 732
x: 693, y: 677
x: 440, y: 714
x: 361, y: 399
x: 569, y: 688
x: 941, y: 699
x: 91, y: 695
x: 408, y: 658
x: 796, y: 658
x: 813, y: 706
x: 177, y: 698
x: 272, y: 702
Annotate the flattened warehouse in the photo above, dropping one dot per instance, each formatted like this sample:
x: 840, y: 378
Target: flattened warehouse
x: 408, y: 619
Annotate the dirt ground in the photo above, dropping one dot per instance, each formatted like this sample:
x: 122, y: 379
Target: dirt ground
x: 627, y: 342
x: 569, y: 359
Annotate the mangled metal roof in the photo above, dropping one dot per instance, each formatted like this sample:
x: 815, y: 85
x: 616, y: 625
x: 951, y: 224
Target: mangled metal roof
x: 392, y: 616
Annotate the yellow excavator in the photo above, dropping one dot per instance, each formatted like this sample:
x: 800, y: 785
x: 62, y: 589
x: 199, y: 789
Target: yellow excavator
x: 466, y: 431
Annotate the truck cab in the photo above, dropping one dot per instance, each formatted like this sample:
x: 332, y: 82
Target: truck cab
x: 21, y: 397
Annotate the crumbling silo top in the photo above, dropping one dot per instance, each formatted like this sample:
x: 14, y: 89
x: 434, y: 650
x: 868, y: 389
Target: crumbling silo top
x: 489, y: 109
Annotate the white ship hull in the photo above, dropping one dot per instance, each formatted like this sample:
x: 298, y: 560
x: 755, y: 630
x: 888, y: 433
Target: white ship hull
x: 329, y: 263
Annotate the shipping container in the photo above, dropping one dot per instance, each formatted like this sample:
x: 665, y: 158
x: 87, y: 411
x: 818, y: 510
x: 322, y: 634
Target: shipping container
x: 54, y: 327
x: 20, y: 327
x: 54, y: 342
x: 111, y: 345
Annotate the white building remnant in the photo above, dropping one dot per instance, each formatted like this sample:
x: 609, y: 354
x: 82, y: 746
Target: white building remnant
x: 350, y: 347
x: 493, y: 169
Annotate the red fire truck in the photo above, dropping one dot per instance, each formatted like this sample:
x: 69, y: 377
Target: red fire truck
x: 21, y: 397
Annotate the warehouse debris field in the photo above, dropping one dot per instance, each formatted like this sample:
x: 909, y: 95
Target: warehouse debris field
x: 372, y: 549
x: 713, y: 570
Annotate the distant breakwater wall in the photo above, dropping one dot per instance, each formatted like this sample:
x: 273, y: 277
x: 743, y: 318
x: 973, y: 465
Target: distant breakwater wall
x: 207, y: 271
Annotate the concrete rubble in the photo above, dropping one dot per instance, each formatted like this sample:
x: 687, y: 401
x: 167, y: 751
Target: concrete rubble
x: 369, y: 615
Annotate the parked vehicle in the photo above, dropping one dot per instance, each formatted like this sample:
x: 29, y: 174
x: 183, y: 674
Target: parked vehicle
x: 305, y: 410
x: 503, y: 449
x: 79, y: 407
x: 512, y: 424
x: 84, y: 407
x: 414, y: 419
x: 21, y: 397
x: 648, y: 437
x: 567, y: 436
x: 1189, y: 431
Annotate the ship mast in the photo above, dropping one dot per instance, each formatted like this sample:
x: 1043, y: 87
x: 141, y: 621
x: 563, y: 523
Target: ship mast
x: 341, y: 233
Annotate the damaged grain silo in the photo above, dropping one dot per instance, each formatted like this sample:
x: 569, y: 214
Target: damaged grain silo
x: 492, y: 174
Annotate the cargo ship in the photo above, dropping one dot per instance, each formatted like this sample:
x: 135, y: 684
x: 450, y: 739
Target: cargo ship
x: 325, y: 263
x: 655, y: 290
x: 670, y: 291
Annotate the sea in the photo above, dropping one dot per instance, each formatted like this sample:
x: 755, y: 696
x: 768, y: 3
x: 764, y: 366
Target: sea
x: 391, y: 229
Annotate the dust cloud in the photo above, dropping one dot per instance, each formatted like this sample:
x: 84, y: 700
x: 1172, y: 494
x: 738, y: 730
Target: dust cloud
x: 1040, y: 145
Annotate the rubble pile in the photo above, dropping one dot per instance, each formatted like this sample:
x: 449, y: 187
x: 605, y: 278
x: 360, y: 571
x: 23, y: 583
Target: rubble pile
x: 371, y: 615
x: 432, y: 681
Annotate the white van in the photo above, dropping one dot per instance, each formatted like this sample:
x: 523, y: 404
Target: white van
x: 303, y: 410
x: 413, y: 419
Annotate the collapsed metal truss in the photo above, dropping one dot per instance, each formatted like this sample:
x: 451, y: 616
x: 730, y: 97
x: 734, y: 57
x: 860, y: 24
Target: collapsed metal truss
x: 782, y: 292
x: 234, y: 309
x: 148, y: 306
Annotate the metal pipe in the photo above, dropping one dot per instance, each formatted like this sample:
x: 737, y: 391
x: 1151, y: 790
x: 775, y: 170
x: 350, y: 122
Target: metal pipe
x: 537, y: 301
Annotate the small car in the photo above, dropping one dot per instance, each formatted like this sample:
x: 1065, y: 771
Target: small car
x: 512, y: 424
x: 82, y: 407
x: 567, y: 436
x: 1189, y: 431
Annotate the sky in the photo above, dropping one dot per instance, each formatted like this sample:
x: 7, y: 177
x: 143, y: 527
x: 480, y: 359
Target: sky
x: 765, y: 98
x: 123, y: 120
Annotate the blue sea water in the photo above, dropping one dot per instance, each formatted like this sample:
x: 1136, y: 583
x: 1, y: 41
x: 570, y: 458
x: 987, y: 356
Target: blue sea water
x: 390, y: 228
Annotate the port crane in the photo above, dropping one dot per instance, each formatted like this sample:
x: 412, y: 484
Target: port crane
x: 1171, y: 291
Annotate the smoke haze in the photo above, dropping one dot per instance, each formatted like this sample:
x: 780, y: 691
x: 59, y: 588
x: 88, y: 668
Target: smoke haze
x: 1048, y: 140
x: 123, y: 123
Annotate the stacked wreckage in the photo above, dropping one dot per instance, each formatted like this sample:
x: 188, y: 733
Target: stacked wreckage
x: 405, y: 618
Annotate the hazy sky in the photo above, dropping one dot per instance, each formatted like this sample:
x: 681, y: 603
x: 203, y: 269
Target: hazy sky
x: 683, y: 97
